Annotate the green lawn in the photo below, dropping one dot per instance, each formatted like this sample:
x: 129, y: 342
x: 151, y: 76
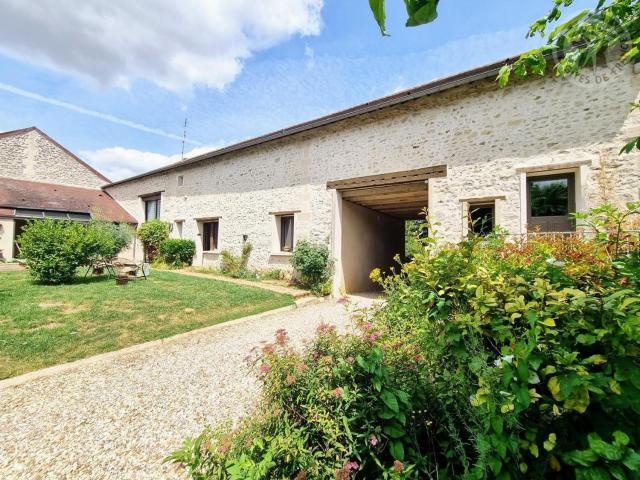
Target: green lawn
x: 43, y: 325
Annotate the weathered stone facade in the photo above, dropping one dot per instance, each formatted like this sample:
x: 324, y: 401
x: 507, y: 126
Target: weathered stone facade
x: 31, y: 155
x: 37, y: 174
x: 490, y: 139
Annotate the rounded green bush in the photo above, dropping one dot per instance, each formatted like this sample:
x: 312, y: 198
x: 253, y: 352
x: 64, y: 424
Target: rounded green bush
x: 313, y: 264
x: 151, y: 234
x: 177, y: 252
x: 54, y: 249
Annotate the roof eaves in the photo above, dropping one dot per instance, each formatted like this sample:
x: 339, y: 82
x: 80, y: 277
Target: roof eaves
x: 429, y: 88
x: 20, y: 131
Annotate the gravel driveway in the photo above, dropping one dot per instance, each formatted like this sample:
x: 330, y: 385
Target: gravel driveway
x: 118, y: 418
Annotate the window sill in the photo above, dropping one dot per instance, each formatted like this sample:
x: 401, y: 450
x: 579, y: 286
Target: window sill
x: 282, y: 254
x: 211, y: 252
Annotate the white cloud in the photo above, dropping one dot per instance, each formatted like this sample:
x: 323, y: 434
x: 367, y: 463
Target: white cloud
x: 175, y: 44
x: 117, y: 163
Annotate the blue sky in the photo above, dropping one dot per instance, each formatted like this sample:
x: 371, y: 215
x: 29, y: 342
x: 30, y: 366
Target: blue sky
x: 251, y: 73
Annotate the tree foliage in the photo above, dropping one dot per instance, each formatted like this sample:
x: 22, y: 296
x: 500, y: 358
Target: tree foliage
x: 419, y: 12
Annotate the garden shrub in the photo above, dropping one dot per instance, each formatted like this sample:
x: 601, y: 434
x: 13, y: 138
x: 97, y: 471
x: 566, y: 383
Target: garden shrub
x: 54, y: 249
x: 236, y: 265
x: 313, y: 264
x: 109, y: 238
x: 177, y: 252
x: 490, y: 359
x: 151, y: 235
x: 272, y: 274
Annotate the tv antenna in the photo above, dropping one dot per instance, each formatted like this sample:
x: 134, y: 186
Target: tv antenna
x: 184, y: 137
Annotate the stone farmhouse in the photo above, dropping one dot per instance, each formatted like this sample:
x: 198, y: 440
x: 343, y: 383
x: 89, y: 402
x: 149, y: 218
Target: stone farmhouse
x: 523, y: 158
x: 39, y: 178
x: 473, y: 155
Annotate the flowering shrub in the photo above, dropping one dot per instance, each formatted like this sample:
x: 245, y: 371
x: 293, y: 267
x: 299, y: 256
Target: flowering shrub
x: 483, y: 363
x: 338, y: 409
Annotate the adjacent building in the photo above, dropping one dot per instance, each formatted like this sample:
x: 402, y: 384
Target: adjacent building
x: 39, y: 178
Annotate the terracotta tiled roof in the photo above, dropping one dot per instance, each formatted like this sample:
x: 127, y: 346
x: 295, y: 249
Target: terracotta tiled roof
x: 7, y: 212
x: 49, y: 196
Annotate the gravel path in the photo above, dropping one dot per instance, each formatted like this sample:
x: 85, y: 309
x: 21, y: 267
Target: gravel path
x: 118, y: 418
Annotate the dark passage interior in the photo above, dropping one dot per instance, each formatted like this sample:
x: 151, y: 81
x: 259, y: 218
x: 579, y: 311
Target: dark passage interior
x: 373, y: 216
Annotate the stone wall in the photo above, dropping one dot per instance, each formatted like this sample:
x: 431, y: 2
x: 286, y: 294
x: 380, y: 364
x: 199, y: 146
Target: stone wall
x: 6, y: 238
x: 32, y: 156
x: 488, y: 138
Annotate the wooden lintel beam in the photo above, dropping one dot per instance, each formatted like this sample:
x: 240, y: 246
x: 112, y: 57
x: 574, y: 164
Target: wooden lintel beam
x: 384, y: 190
x: 394, y: 200
x: 420, y: 174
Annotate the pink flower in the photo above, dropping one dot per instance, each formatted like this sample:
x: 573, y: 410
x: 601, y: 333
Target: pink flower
x: 351, y: 465
x: 301, y: 367
x: 291, y: 379
x: 337, y: 392
x: 264, y: 368
x: 419, y: 358
x: 373, y: 440
x: 349, y: 360
x: 367, y: 326
x: 326, y: 328
x: 372, y: 337
x: 398, y: 466
x: 281, y: 336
